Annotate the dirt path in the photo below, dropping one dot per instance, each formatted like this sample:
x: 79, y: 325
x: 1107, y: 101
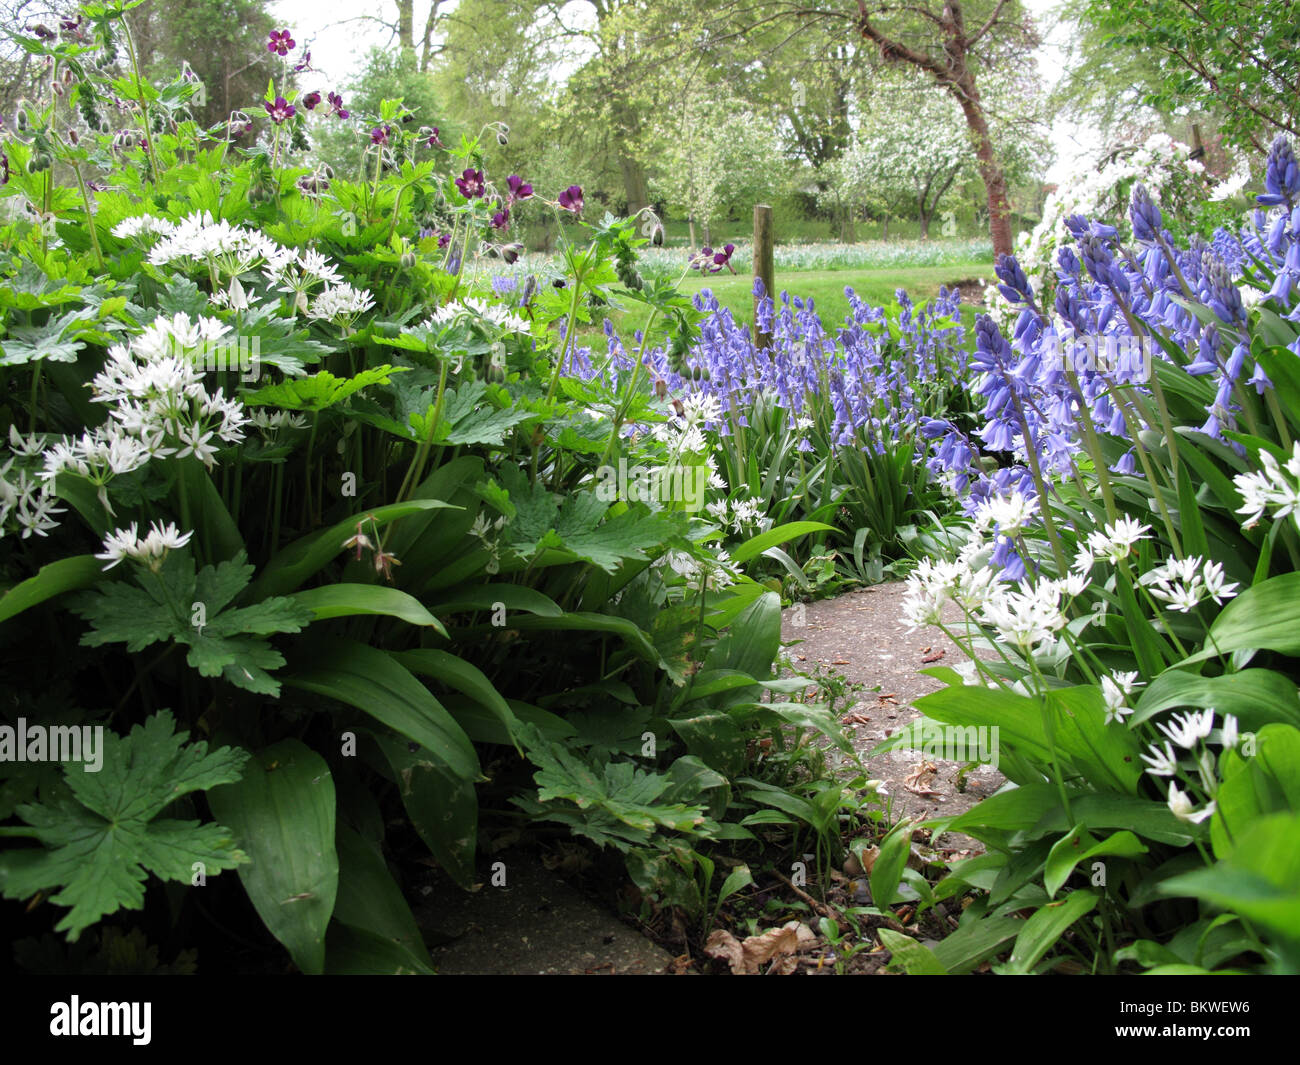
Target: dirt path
x: 862, y: 636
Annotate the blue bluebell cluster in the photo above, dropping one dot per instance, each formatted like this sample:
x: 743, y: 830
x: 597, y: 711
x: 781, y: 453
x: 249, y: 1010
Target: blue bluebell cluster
x: 1125, y: 306
x: 872, y: 380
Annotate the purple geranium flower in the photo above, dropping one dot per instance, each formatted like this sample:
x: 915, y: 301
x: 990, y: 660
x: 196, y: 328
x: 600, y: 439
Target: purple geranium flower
x: 471, y: 184
x: 501, y: 219
x: 444, y: 239
x: 571, y: 199
x: 431, y: 139
x: 336, y: 105
x: 519, y: 189
x: 280, y: 42
x: 311, y: 100
x: 303, y: 64
x: 280, y: 110
x: 379, y: 135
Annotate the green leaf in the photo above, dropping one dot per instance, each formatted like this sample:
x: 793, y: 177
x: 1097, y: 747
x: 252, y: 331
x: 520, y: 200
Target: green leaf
x: 1255, y: 696
x: 1259, y: 880
x: 915, y: 958
x: 456, y: 673
x: 100, y: 837
x: 1263, y: 617
x: 756, y: 545
x: 1045, y: 927
x: 348, y: 600
x: 303, y: 558
x: 1078, y: 846
x: 282, y: 810
x: 65, y: 575
x: 320, y: 390
x: 221, y: 642
x: 370, y: 680
x: 890, y: 862
x: 369, y: 901
x: 976, y: 941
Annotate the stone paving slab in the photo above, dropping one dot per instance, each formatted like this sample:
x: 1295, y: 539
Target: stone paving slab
x: 536, y: 924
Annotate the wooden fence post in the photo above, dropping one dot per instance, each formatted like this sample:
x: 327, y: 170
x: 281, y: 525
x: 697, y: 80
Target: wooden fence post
x: 763, y: 264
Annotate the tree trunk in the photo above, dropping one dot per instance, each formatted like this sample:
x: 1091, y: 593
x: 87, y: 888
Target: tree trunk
x: 692, y: 222
x: 884, y: 229
x: 995, y: 181
x: 406, y: 25
x: 634, y: 183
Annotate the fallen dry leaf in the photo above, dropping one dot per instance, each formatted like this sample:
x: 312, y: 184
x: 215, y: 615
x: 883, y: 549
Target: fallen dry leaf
x: 855, y: 718
x: 745, y: 958
x: 934, y: 657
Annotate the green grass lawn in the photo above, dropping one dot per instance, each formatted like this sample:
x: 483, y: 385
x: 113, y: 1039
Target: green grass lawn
x: 826, y: 288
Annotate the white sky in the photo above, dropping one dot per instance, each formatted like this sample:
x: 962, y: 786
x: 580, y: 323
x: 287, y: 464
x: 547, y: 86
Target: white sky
x: 341, y: 34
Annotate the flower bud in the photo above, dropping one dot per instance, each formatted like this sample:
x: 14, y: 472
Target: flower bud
x: 407, y: 261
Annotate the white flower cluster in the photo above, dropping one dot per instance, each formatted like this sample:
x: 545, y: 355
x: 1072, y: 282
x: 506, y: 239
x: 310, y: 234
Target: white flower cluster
x: 215, y: 245
x: 740, y: 515
x: 1093, y: 191
x: 718, y: 572
x: 1115, y: 691
x: 157, y: 393
x: 29, y: 500
x: 1274, y: 487
x: 1184, y: 583
x: 341, y: 304
x: 150, y: 549
x: 475, y: 310
x: 1006, y: 515
x: 1188, y: 731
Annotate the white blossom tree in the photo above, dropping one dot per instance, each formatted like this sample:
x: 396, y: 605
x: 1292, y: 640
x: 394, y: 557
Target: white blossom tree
x: 717, y: 153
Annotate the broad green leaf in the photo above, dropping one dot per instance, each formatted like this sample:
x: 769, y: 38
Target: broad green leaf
x: 301, y: 559
x: 975, y: 942
x: 370, y: 680
x: 282, y: 811
x: 464, y: 677
x: 1264, y: 617
x: 369, y: 901
x: 755, y: 545
x: 1255, y: 696
x: 348, y: 600
x: 65, y: 575
x: 890, y: 862
x: 1045, y: 927
x: 1078, y: 846
x: 915, y: 958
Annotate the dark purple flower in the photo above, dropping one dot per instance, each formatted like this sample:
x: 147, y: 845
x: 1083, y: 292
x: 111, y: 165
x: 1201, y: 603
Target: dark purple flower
x: 519, y: 189
x: 511, y: 252
x: 42, y: 31
x: 471, y: 184
x: 280, y: 110
x: 336, y: 105
x: 431, y: 138
x: 4, y: 168
x: 303, y: 64
x: 444, y: 239
x: 571, y: 199
x: 501, y: 219
x: 311, y: 100
x: 723, y: 258
x: 379, y: 135
x: 279, y: 42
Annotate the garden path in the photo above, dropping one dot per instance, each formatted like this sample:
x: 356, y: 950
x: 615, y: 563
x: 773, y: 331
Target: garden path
x: 863, y: 636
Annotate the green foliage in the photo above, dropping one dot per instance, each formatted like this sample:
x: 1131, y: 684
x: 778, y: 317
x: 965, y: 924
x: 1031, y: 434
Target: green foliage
x: 100, y: 833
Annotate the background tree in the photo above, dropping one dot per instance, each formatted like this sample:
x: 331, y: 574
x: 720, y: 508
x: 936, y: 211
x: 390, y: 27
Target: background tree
x: 1239, y: 59
x: 224, y: 42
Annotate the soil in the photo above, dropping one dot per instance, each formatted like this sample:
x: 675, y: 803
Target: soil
x: 863, y: 637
